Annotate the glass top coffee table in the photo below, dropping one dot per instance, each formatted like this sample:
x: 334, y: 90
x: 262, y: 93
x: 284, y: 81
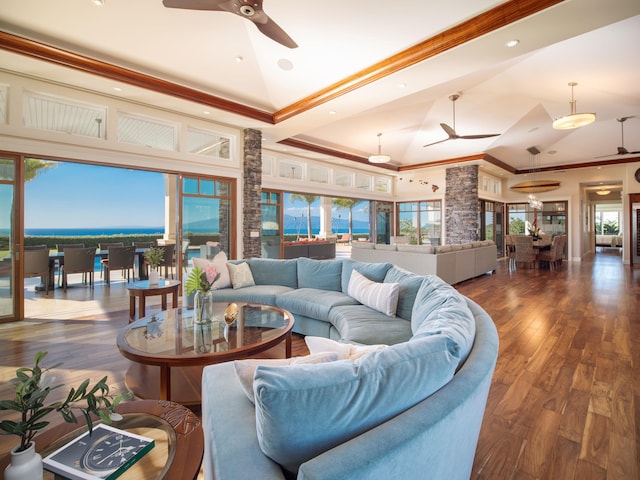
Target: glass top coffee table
x: 168, y: 350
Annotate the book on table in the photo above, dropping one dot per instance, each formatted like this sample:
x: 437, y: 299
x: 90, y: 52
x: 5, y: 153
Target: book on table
x: 104, y: 455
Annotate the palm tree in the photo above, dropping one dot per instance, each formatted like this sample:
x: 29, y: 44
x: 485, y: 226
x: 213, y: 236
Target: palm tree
x: 33, y: 167
x: 344, y: 204
x: 309, y: 199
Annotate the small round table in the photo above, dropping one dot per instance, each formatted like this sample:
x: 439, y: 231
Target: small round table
x: 142, y: 290
x: 176, y: 430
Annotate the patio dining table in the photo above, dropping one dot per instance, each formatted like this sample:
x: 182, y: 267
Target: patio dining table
x: 59, y: 256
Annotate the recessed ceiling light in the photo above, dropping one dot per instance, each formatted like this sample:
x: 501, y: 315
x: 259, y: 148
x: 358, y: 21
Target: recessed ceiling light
x: 239, y: 59
x: 98, y: 2
x: 402, y: 85
x: 117, y: 89
x: 332, y: 112
x: 285, y: 64
x: 206, y: 112
x: 512, y: 43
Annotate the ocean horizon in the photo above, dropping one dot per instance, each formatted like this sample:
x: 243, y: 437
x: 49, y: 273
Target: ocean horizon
x: 92, y: 232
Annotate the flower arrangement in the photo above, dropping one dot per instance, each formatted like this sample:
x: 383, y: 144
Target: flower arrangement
x: 33, y: 385
x: 155, y: 256
x: 201, y: 280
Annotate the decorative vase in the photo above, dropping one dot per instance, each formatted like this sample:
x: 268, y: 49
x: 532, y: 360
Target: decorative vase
x: 25, y: 464
x: 203, y: 307
x: 203, y: 337
x: 154, y: 276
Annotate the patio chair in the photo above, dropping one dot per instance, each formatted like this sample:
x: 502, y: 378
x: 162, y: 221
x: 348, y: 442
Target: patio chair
x: 60, y: 247
x: 78, y: 260
x: 167, y: 261
x: 103, y: 247
x: 185, y: 254
x: 525, y: 253
x: 346, y: 238
x: 119, y: 258
x: 36, y: 263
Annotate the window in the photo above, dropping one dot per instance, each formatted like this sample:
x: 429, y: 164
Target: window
x: 421, y: 222
x: 607, y: 221
x: 150, y: 133
x: 202, y: 142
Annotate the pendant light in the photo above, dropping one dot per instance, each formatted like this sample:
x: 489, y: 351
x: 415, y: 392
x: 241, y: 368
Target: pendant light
x: 573, y: 120
x: 379, y: 158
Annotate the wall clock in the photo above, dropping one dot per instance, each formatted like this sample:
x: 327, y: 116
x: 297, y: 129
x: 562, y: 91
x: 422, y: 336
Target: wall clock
x: 637, y: 174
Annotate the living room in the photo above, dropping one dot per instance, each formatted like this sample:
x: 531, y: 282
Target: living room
x: 314, y: 160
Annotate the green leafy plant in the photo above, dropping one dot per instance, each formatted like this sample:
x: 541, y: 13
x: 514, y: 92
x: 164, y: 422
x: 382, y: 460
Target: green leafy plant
x: 201, y: 280
x: 32, y: 387
x: 155, y: 256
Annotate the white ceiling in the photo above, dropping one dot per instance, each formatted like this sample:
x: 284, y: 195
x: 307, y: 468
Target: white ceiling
x: 513, y: 91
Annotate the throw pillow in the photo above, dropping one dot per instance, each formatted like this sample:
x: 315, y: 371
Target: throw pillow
x: 245, y: 369
x: 345, y: 351
x: 382, y: 297
x: 240, y: 274
x: 220, y: 264
x: 304, y: 410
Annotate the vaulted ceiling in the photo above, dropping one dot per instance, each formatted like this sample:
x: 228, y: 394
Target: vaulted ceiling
x: 360, y: 68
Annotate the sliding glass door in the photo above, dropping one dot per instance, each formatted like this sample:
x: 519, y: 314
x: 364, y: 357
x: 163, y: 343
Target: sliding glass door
x: 9, y: 294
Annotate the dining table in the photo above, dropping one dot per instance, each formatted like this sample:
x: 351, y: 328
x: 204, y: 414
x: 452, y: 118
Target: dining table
x: 59, y: 258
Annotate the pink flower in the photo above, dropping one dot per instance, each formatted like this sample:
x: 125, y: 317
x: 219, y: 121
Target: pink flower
x: 211, y: 273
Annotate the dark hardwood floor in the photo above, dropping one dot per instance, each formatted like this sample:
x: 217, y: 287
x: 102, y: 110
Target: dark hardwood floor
x: 565, y: 398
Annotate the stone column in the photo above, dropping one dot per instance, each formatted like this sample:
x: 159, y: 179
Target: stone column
x: 252, y: 191
x: 462, y: 204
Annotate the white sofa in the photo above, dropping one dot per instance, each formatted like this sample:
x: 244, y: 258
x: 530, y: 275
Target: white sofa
x: 452, y: 263
x: 608, y: 241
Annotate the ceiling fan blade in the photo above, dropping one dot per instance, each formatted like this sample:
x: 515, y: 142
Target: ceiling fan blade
x: 472, y: 137
x: 622, y: 151
x: 197, y: 4
x: 450, y: 131
x: 272, y: 30
x: 439, y: 141
x: 251, y: 11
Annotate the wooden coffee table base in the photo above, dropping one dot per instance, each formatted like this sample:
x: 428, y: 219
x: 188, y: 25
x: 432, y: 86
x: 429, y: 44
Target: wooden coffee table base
x: 145, y: 381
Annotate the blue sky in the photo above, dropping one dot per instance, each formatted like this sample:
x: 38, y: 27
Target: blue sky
x: 73, y: 195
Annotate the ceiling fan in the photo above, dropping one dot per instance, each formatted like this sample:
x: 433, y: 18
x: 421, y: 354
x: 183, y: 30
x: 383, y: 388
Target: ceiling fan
x: 451, y: 132
x: 251, y: 10
x: 621, y: 149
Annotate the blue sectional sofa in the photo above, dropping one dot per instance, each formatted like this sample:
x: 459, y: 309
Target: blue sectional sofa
x: 409, y: 410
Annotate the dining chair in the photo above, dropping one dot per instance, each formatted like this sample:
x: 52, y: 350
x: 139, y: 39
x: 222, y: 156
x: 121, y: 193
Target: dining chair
x: 553, y: 255
x: 185, y: 254
x: 119, y: 258
x: 167, y: 261
x: 78, y: 260
x: 525, y: 253
x: 143, y: 264
x: 61, y: 247
x: 103, y: 247
x: 36, y: 263
x: 510, y: 245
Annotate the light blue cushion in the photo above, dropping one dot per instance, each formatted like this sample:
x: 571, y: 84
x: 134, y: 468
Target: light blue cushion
x: 409, y: 284
x: 312, y: 302
x: 269, y: 271
x: 441, y: 310
x: 373, y: 271
x: 256, y: 294
x: 303, y: 410
x: 432, y: 294
x: 361, y: 324
x: 320, y: 274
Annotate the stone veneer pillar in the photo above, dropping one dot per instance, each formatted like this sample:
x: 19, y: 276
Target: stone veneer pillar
x: 252, y: 192
x: 462, y: 204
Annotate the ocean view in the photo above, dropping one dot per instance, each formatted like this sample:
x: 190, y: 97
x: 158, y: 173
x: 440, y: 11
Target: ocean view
x: 92, y: 232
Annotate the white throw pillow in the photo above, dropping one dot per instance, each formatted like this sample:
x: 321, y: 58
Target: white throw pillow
x: 240, y: 274
x: 245, y: 369
x: 345, y: 351
x: 220, y: 264
x: 382, y: 297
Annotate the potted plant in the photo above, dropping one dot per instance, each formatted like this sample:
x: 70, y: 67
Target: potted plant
x: 154, y: 257
x: 32, y: 386
x: 201, y: 282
